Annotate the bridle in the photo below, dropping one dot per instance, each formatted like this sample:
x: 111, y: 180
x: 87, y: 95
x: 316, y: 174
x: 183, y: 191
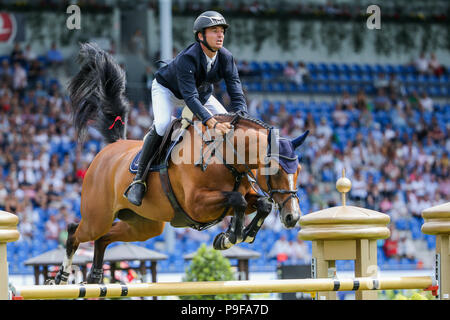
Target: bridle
x: 248, y: 172
x: 271, y: 192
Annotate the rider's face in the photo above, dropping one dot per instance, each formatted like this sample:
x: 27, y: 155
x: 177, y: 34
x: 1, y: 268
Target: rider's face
x: 214, y: 36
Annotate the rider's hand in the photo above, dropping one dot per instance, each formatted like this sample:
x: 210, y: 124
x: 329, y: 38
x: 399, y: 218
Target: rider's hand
x: 220, y: 127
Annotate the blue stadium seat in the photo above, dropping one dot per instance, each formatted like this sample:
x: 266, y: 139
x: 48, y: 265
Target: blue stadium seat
x: 334, y: 68
x: 401, y: 69
x: 267, y: 75
x: 410, y: 69
x: 266, y: 66
x: 367, y: 68
x: 410, y: 89
x: 433, y: 91
x: 380, y: 256
x: 389, y: 68
x: 322, y: 77
x: 355, y: 78
x: 312, y: 68
x: 332, y: 77
x: 355, y: 68
x: 278, y: 67
x: 397, y: 69
x: 43, y: 60
x: 344, y: 77
x: 431, y: 241
x: 344, y: 68
x: 323, y: 88
x: 290, y: 106
x: 367, y: 78
x: 292, y: 87
x: 254, y: 86
x: 301, y: 105
x: 401, y: 77
x: 433, y: 79
x: 255, y: 66
x: 416, y: 234
x: 378, y: 68
x: 400, y: 224
x: 411, y: 78
x: 422, y: 78
x: 322, y: 67
x: 443, y: 79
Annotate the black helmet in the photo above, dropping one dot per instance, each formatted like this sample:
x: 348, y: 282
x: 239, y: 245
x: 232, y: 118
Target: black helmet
x: 205, y: 20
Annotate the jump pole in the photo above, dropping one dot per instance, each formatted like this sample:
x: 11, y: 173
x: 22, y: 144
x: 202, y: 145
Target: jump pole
x: 218, y: 287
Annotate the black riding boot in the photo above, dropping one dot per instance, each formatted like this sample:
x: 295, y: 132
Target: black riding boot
x: 136, y: 190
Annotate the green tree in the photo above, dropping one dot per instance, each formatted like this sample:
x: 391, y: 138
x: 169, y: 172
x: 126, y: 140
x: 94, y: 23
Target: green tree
x: 209, y: 265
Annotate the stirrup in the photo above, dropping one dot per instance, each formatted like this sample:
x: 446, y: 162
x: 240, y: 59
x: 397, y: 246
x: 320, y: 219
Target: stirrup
x: 133, y: 183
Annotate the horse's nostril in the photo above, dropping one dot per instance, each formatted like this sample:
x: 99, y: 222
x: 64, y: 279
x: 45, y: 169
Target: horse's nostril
x: 289, y: 218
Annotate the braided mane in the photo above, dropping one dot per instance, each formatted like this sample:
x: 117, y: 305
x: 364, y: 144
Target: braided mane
x: 229, y: 116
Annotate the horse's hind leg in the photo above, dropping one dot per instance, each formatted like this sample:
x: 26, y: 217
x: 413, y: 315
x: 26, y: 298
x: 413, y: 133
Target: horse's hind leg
x: 71, y: 246
x: 131, y: 228
x: 96, y: 273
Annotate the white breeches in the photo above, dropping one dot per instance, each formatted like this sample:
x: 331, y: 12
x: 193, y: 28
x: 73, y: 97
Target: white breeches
x: 164, y: 102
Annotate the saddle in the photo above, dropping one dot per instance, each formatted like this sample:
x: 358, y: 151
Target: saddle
x: 161, y: 164
x: 165, y: 147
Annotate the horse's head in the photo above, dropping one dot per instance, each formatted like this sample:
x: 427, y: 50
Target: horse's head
x: 278, y: 165
x: 282, y: 184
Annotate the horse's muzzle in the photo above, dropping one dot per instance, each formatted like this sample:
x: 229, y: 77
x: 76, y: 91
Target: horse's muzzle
x: 290, y: 219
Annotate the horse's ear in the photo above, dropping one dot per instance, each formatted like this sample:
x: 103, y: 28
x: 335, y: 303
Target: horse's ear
x: 297, y: 142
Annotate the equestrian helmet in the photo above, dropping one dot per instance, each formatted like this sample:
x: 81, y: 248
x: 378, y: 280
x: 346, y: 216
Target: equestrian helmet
x: 208, y: 19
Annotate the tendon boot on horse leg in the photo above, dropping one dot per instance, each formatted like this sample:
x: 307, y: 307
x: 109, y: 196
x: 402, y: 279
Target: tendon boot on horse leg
x: 71, y: 246
x: 136, y: 190
x: 234, y: 234
x: 263, y: 208
x: 96, y: 272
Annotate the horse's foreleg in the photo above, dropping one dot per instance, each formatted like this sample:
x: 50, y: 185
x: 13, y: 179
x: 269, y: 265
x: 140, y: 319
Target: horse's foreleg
x: 263, y: 208
x: 72, y: 244
x: 235, y: 232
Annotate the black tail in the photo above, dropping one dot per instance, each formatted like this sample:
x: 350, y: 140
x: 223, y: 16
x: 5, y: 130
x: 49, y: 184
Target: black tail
x: 97, y: 94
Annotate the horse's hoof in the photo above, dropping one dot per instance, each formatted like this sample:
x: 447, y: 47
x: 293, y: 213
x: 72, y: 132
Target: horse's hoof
x: 222, y: 242
x: 50, y: 282
x: 249, y: 239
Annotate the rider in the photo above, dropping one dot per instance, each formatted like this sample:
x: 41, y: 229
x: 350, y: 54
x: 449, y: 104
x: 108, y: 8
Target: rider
x: 188, y: 81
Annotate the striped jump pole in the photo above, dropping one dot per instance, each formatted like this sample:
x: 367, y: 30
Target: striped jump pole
x: 219, y: 287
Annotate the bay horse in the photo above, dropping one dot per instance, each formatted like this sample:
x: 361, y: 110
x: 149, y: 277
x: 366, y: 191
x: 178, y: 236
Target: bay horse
x: 206, y: 194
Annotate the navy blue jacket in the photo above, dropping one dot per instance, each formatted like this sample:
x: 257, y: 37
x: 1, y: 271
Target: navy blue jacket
x: 186, y: 77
